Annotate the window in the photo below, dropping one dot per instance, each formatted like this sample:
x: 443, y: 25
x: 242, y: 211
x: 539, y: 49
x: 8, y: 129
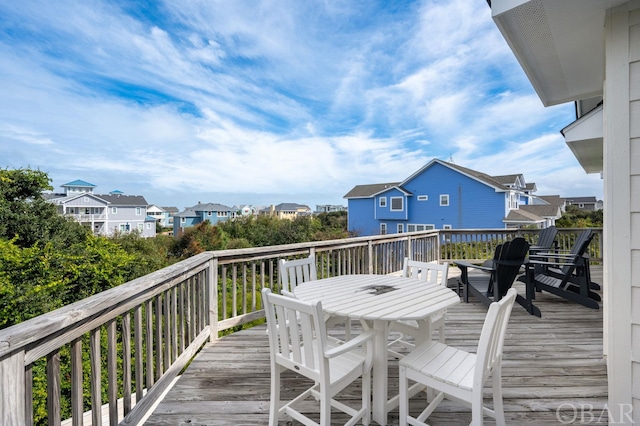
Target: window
x: 444, y: 199
x: 400, y: 228
x: 138, y: 211
x: 383, y: 229
x: 446, y: 227
x: 87, y: 210
x: 86, y: 199
x: 148, y: 226
x: 383, y: 202
x: 226, y: 214
x: 114, y: 210
x: 140, y: 227
x: 397, y: 204
x: 183, y: 220
x: 423, y: 197
x: 209, y: 213
x: 581, y: 206
x: 416, y: 228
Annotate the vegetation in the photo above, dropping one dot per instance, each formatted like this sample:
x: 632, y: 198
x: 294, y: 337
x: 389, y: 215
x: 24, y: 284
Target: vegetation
x: 573, y: 217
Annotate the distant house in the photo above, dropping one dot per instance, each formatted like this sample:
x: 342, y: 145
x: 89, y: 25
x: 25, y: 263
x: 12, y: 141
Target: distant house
x: 169, y: 213
x: 244, y: 210
x: 199, y: 213
x: 328, y: 208
x: 104, y: 214
x: 584, y: 203
x: 441, y: 195
x: 286, y: 210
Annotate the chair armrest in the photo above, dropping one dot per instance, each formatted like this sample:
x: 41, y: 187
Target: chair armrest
x: 350, y: 344
x: 547, y: 263
x: 471, y: 265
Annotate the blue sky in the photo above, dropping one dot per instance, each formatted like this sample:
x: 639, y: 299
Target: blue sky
x: 257, y: 102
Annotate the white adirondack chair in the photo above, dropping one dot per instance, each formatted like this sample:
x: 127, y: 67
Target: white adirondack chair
x: 430, y: 273
x: 457, y: 374
x: 294, y: 272
x: 298, y: 342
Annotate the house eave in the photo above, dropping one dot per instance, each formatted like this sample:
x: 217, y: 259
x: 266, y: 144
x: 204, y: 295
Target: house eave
x: 561, y: 51
x: 585, y: 139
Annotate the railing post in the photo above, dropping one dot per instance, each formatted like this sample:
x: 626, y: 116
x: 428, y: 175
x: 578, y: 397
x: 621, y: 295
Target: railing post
x: 212, y: 286
x: 12, y: 383
x: 409, y: 248
x: 438, y: 254
x: 370, y: 265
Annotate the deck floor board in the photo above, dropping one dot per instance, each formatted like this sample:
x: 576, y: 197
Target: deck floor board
x: 550, y: 363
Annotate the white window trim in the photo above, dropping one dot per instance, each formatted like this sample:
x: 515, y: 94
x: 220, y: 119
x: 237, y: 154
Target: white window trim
x: 382, y: 202
x: 413, y: 227
x: 446, y: 227
x: 400, y: 228
x: 423, y: 197
x: 114, y: 210
x: 383, y: 229
x: 401, y: 201
x: 443, y: 196
x: 138, y: 211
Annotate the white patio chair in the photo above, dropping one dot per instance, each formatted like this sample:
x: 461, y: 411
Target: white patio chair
x: 430, y: 273
x: 298, y: 342
x: 298, y: 271
x: 457, y: 374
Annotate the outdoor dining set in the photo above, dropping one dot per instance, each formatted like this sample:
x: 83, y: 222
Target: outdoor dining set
x: 410, y: 309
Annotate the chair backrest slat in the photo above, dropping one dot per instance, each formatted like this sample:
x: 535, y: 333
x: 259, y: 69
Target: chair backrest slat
x: 294, y: 272
x: 429, y: 272
x: 492, y: 336
x: 578, y: 249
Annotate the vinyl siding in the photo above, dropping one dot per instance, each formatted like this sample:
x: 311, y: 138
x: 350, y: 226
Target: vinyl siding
x: 360, y: 217
x: 634, y: 93
x: 472, y: 204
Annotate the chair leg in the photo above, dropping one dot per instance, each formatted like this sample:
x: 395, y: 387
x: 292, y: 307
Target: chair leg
x: 404, y: 396
x: 498, y: 406
x: 366, y: 397
x: 325, y: 406
x: 274, y: 404
x: 441, y: 333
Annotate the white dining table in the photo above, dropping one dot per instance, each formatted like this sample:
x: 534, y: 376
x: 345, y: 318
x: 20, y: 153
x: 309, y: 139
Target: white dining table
x: 378, y: 300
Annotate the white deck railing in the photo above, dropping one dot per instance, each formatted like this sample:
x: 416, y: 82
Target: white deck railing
x: 137, y: 337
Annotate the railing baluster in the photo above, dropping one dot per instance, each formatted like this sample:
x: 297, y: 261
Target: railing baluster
x: 53, y: 388
x: 112, y: 376
x: 126, y: 363
x: 77, y: 405
x: 150, y: 379
x: 137, y: 332
x: 96, y: 376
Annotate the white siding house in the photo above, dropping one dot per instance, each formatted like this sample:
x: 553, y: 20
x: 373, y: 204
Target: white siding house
x: 104, y: 214
x: 588, y: 52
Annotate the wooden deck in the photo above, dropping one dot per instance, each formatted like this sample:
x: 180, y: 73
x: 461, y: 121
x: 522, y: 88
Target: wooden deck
x: 550, y: 363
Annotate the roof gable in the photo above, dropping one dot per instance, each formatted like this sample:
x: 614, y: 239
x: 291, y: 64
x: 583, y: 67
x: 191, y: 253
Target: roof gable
x: 473, y: 174
x: 371, y: 190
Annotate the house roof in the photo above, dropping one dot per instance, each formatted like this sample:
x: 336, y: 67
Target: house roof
x: 523, y: 216
x: 290, y: 206
x: 584, y: 200
x: 170, y: 209
x: 79, y: 182
x: 507, y: 180
x: 542, y: 210
x: 474, y: 174
x: 366, y: 191
x: 123, y: 200
x: 210, y: 207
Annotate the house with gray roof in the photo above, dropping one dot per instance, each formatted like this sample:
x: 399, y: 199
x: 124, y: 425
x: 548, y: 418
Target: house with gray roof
x: 104, y: 214
x: 287, y: 210
x: 191, y: 216
x: 442, y: 195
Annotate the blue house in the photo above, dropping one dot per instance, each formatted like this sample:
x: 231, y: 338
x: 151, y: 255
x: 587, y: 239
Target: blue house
x: 192, y: 216
x: 441, y: 195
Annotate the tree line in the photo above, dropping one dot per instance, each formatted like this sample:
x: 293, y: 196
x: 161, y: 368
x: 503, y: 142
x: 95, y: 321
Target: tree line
x: 48, y: 260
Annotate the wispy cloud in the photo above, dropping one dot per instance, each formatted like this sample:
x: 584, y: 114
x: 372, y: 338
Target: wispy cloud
x: 229, y: 99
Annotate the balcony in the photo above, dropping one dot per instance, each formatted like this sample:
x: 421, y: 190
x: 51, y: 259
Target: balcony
x: 87, y: 217
x: 141, y: 335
